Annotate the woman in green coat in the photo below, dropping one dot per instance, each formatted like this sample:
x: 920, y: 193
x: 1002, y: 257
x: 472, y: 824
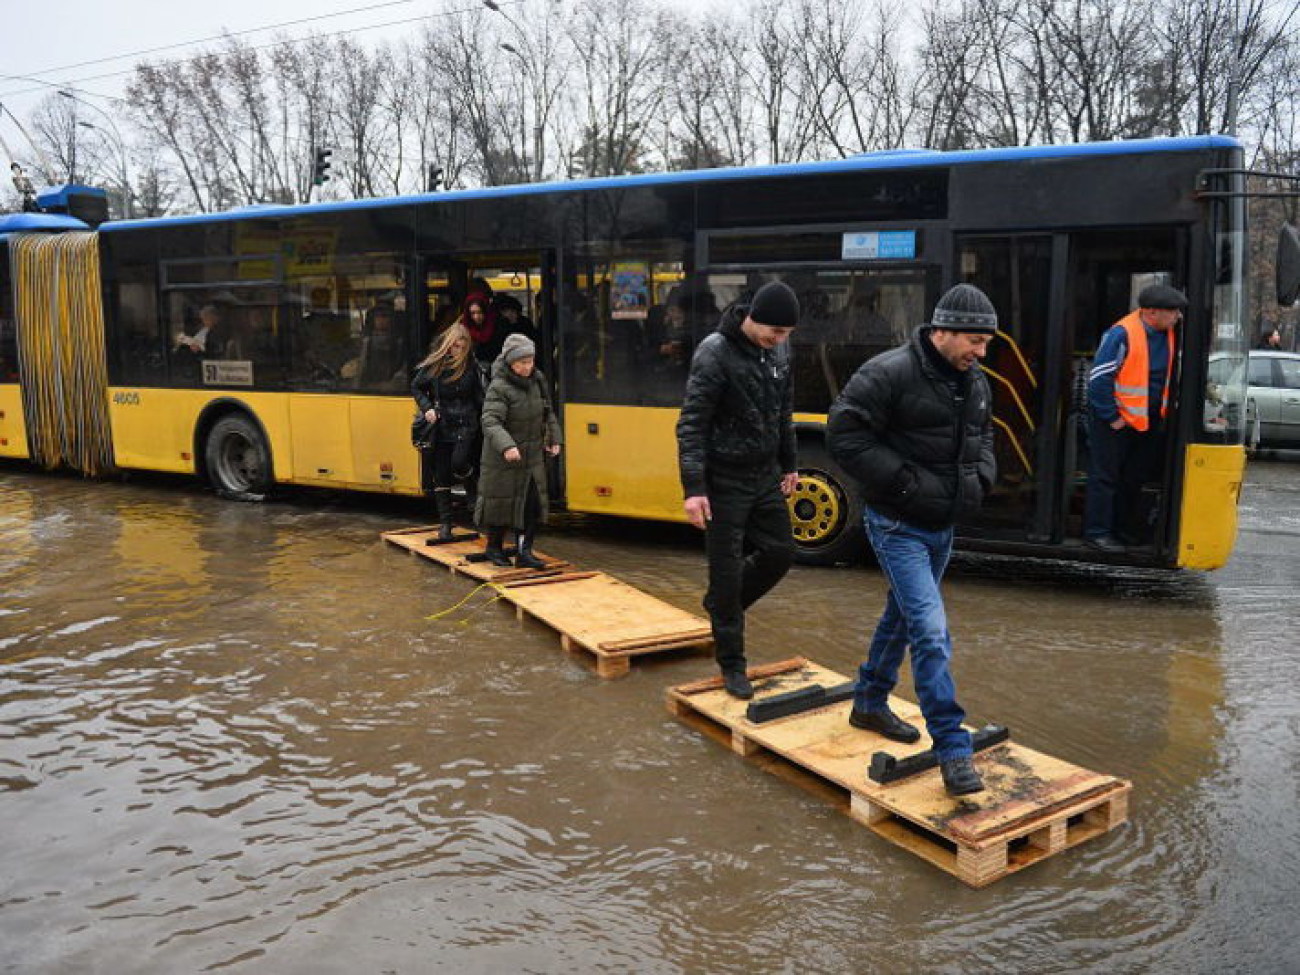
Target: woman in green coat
x: 519, y: 430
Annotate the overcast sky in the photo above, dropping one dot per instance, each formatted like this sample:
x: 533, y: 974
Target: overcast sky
x: 42, y: 39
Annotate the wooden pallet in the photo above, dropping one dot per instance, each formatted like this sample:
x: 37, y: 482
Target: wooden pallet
x: 455, y: 555
x: 1034, y: 806
x: 597, y: 616
x: 614, y: 622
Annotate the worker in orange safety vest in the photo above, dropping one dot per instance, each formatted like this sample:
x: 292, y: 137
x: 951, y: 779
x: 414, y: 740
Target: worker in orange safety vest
x: 1128, y: 400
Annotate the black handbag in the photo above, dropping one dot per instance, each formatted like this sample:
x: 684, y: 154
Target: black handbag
x: 423, y: 432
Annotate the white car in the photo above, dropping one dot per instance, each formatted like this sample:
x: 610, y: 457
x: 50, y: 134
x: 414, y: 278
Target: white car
x: 1273, y: 381
x: 1272, y: 397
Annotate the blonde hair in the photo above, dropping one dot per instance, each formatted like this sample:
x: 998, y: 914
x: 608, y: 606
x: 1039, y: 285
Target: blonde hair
x: 440, y: 350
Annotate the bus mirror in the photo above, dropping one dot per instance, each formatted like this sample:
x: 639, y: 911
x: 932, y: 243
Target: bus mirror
x: 1288, y: 265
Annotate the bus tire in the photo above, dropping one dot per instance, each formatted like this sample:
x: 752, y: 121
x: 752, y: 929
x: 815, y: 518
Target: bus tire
x: 238, y: 459
x: 825, y: 512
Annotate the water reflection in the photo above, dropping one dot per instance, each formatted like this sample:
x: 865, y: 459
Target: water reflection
x: 233, y: 741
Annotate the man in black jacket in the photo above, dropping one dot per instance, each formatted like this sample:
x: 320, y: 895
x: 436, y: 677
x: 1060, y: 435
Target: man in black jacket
x: 736, y: 453
x: 912, y: 425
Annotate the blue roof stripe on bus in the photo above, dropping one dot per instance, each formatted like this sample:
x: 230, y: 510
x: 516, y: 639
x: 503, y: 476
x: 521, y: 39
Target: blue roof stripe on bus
x: 888, y: 159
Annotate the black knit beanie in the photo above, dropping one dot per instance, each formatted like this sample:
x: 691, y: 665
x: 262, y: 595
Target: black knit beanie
x: 965, y: 308
x: 775, y: 305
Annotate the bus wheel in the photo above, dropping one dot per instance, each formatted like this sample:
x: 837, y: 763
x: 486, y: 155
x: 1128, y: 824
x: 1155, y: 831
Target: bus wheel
x: 238, y: 459
x: 825, y: 513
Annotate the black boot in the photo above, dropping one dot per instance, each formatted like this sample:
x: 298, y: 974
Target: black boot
x: 736, y: 682
x: 494, y: 551
x: 442, y: 498
x: 524, y: 558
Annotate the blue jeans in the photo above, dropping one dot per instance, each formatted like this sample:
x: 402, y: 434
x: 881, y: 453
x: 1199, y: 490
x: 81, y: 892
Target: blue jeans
x: 913, y: 560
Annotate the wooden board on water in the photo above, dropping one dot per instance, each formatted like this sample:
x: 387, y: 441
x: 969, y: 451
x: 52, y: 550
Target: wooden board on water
x: 454, y: 555
x: 594, y: 613
x: 1033, y: 805
x: 609, y: 619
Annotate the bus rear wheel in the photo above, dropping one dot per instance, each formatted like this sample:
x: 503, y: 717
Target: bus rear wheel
x: 238, y: 459
x: 825, y: 512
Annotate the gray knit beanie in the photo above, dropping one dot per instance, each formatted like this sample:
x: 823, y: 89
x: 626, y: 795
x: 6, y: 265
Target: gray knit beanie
x: 517, y: 347
x: 965, y: 308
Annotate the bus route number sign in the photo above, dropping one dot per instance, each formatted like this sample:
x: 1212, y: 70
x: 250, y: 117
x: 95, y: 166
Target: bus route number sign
x: 227, y: 372
x: 878, y: 245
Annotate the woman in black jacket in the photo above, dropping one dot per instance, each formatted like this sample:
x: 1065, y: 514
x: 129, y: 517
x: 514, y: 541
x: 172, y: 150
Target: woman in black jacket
x: 449, y: 392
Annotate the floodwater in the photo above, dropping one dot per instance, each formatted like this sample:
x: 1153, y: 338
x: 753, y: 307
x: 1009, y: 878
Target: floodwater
x: 231, y: 740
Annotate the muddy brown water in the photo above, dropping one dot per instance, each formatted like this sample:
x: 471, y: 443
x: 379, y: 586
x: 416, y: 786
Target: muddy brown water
x: 230, y: 740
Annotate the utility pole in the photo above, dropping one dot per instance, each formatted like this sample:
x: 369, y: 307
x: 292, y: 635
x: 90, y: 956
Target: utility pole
x: 124, y: 175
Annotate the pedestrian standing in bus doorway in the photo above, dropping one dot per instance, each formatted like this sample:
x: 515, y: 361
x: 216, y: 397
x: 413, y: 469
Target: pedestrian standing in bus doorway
x: 448, y: 390
x: 519, y: 432
x: 912, y: 425
x: 736, y: 454
x: 511, y: 319
x: 480, y: 320
x: 1128, y: 403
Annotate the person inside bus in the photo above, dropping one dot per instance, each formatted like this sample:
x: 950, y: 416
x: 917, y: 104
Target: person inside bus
x: 204, y: 339
x: 1128, y: 404
x: 512, y: 320
x: 672, y: 332
x: 448, y: 390
x: 382, y: 360
x: 736, y: 459
x: 519, y: 432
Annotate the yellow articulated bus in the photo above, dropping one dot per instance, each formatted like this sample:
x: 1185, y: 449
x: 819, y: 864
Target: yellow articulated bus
x: 242, y: 347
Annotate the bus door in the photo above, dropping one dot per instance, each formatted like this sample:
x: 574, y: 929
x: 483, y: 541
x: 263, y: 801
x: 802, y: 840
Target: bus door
x: 519, y: 286
x: 1024, y: 368
x: 1055, y: 295
x: 516, y: 284
x: 1103, y: 272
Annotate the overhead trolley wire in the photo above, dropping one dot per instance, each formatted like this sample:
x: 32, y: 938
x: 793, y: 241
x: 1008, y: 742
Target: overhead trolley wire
x: 70, y: 85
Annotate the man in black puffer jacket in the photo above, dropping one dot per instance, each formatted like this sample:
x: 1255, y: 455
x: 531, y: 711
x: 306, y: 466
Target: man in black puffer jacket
x: 736, y: 453
x: 912, y: 425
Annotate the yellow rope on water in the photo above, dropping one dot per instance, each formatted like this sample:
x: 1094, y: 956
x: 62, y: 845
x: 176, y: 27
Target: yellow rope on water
x: 477, y: 589
x: 62, y: 368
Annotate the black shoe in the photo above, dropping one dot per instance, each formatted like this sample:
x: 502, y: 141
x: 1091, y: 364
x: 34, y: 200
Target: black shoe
x: 1105, y: 543
x: 444, y: 531
x: 960, y: 777
x: 524, y: 557
x: 885, y: 723
x: 737, y: 684
x: 527, y: 560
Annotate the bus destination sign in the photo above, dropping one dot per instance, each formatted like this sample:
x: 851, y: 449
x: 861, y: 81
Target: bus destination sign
x: 878, y: 245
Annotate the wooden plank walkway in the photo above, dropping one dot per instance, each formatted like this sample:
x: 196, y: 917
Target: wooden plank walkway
x: 1034, y: 806
x: 595, y: 614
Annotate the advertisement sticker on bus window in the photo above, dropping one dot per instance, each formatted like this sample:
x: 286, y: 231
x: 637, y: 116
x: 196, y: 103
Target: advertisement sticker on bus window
x: 227, y: 372
x: 629, y: 293
x: 878, y: 245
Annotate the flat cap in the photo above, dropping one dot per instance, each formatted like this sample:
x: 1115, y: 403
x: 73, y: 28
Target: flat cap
x: 1162, y: 296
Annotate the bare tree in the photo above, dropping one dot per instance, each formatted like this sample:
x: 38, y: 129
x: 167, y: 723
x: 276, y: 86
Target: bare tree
x: 622, y: 56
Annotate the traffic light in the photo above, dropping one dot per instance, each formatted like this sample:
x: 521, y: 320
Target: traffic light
x: 435, y: 177
x: 321, y: 169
